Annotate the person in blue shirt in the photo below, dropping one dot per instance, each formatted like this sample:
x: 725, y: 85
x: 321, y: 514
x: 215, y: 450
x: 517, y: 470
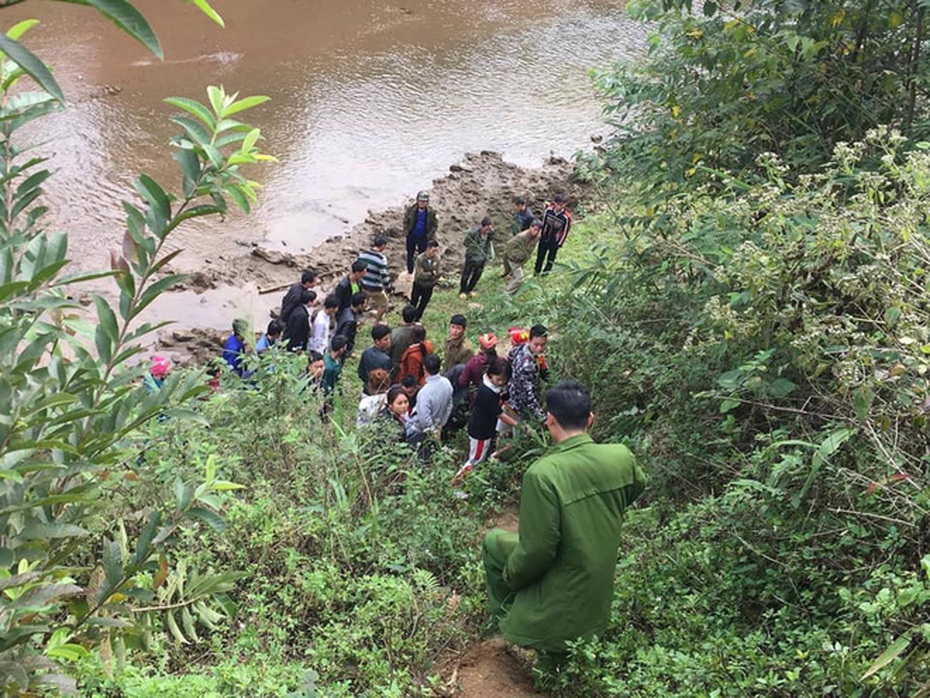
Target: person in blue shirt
x: 420, y: 225
x: 271, y: 336
x: 235, y: 348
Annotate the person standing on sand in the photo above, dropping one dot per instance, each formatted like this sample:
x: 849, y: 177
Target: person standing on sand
x: 553, y: 581
x: 425, y: 277
x: 522, y: 216
x: 556, y: 223
x: 309, y: 280
x: 477, y: 254
x: 420, y: 226
x: 376, y: 281
x: 519, y: 249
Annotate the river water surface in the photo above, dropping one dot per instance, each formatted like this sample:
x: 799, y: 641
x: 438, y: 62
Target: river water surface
x: 369, y: 102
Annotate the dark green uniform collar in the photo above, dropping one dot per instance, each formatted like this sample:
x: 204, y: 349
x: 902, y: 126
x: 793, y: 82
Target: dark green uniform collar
x: 571, y: 442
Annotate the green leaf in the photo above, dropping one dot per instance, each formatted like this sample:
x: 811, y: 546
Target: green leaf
x: 192, y: 106
x: 781, y: 387
x: 174, y: 629
x: 209, y: 518
x: 156, y: 197
x: 17, y: 30
x: 729, y: 405
x: 204, y: 7
x: 889, y: 655
x: 127, y: 18
x: 245, y: 103
x: 38, y: 531
x: 217, y: 100
x: 113, y: 563
x: 188, y: 621
x: 33, y: 66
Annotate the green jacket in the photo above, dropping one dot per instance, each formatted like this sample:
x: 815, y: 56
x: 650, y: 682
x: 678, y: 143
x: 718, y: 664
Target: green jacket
x: 426, y: 270
x: 477, y: 246
x: 520, y: 247
x: 571, y: 507
x: 410, y: 219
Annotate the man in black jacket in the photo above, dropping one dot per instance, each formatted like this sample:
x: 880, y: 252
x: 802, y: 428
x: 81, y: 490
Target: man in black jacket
x: 375, y: 356
x: 347, y: 321
x: 297, y: 327
x: 350, y: 285
x: 308, y: 279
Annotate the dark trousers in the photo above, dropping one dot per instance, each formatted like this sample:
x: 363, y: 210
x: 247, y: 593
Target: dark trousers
x: 548, y: 249
x: 419, y: 297
x: 414, y: 247
x: 470, y: 275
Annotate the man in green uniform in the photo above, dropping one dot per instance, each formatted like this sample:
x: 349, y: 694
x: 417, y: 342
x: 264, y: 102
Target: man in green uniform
x: 553, y: 581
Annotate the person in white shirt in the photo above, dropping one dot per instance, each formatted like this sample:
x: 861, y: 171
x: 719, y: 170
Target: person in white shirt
x: 322, y: 325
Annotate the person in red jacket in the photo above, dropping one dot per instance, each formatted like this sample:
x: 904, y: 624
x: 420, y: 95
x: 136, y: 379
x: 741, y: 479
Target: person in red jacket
x: 411, y: 363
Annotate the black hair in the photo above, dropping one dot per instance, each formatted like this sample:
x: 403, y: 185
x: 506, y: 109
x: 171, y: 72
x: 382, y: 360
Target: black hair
x: 332, y: 301
x: 486, y: 221
x: 379, y: 332
x: 409, y: 382
x: 314, y: 356
x: 559, y: 199
x: 357, y: 299
x: 519, y: 201
x: 432, y: 363
x: 539, y: 331
x: 536, y: 223
x: 498, y: 366
x: 570, y: 403
x: 339, y: 341
x: 459, y: 319
x: 417, y: 334
x: 379, y: 241
x: 409, y: 313
x: 274, y: 327
x: 308, y: 275
x: 358, y: 265
x: 432, y: 243
x: 307, y: 296
x: 392, y: 394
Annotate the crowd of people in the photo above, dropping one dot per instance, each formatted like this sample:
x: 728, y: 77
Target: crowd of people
x: 551, y: 582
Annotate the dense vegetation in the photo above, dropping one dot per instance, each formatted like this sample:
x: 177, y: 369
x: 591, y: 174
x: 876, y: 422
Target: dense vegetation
x: 747, y: 298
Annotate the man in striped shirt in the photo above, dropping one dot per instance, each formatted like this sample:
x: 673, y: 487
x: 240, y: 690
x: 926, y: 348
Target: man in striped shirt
x: 556, y: 223
x: 376, y: 282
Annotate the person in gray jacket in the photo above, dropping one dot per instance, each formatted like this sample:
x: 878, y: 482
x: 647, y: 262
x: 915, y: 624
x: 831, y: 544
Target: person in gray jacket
x: 432, y: 410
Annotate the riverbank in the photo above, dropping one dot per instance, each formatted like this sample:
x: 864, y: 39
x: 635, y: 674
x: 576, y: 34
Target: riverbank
x: 249, y: 285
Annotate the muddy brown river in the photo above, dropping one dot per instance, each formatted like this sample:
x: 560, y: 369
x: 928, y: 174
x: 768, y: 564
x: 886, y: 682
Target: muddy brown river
x: 369, y: 102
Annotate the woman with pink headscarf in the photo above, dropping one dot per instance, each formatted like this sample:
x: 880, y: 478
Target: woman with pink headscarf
x: 158, y: 371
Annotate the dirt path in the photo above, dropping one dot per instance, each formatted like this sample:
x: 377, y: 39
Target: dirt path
x: 488, y: 670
